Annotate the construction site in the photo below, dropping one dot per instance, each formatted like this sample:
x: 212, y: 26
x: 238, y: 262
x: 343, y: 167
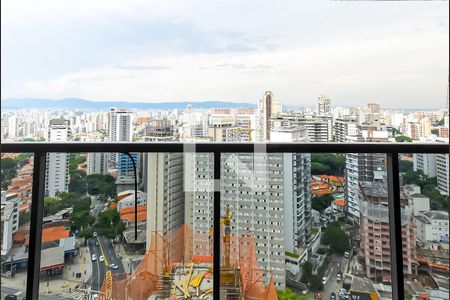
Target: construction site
x: 171, y: 269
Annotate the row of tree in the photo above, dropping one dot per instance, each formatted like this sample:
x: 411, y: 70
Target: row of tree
x: 327, y: 163
x: 9, y: 168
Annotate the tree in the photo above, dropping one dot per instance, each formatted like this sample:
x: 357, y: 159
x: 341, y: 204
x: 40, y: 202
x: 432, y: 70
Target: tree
x: 336, y: 238
x: 288, y: 294
x: 78, y: 183
x: 80, y: 219
x: 320, y: 203
x: 24, y: 217
x: 403, y: 138
x: 109, y: 223
x: 8, y: 171
x: 98, y: 184
x: 406, y: 165
x: 428, y: 188
x: 327, y: 163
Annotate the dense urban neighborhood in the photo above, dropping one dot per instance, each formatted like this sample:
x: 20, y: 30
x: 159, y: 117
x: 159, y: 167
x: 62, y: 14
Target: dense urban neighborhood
x: 294, y: 225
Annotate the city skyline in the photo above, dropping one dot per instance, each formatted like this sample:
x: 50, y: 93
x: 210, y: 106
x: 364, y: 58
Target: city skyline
x: 390, y: 52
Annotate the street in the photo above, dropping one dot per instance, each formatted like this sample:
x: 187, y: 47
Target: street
x: 338, y: 263
x: 6, y: 291
x: 99, y: 268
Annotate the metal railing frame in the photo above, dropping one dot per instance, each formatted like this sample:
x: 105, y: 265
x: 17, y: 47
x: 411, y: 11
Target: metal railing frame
x: 392, y: 150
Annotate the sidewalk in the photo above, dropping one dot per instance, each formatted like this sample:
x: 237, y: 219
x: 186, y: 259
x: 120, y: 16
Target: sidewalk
x: 128, y: 260
x: 69, y: 282
x: 81, y: 264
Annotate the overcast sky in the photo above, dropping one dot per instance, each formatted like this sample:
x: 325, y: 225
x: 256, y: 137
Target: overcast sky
x: 392, y: 53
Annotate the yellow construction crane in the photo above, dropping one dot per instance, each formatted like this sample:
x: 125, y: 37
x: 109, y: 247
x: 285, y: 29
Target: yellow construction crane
x: 226, y: 221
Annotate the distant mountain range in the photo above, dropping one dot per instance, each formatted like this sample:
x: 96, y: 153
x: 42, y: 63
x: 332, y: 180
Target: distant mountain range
x: 83, y: 104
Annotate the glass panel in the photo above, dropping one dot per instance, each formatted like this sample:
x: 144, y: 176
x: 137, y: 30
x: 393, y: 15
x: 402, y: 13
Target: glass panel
x: 425, y: 185
x: 16, y: 189
x: 301, y: 224
x: 90, y: 247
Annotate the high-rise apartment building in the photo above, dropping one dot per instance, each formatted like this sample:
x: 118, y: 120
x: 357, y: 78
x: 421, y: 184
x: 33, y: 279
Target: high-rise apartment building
x: 165, y: 192
x: 267, y: 108
x: 375, y: 242
x: 97, y: 163
x: 362, y: 167
x: 373, y: 116
x: 323, y: 106
x: 318, y: 128
x: 119, y: 125
x: 345, y: 127
x: 425, y: 163
x: 120, y: 130
x: 57, y: 170
x: 12, y: 126
x: 268, y: 196
x: 443, y: 173
x: 9, y: 220
x: 160, y: 130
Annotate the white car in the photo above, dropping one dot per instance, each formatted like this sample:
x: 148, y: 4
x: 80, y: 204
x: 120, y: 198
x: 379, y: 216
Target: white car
x: 324, y: 280
x: 94, y: 257
x: 95, y: 233
x: 101, y: 258
x: 114, y: 266
x: 347, y: 254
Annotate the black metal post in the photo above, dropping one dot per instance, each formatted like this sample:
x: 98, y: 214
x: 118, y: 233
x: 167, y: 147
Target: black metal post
x: 135, y: 196
x: 216, y: 232
x: 37, y: 213
x: 395, y: 227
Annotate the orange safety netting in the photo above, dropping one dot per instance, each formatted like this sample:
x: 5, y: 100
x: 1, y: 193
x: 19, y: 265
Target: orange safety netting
x: 183, y: 247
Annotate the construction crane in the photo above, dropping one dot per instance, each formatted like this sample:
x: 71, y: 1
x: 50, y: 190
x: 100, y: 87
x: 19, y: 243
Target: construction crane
x: 226, y: 221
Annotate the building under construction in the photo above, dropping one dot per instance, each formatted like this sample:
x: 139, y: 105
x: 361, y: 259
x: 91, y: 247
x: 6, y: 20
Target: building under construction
x: 168, y: 270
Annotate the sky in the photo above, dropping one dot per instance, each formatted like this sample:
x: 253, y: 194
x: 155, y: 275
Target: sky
x: 391, y: 53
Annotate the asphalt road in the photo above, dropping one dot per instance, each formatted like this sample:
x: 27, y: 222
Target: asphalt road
x: 6, y: 291
x: 338, y: 263
x: 99, y: 268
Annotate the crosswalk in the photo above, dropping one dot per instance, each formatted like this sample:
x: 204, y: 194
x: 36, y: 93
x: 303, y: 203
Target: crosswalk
x: 75, y: 295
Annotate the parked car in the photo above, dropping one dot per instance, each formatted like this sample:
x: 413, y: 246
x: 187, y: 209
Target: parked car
x: 347, y: 254
x: 95, y: 233
x: 324, y: 280
x: 114, y: 266
x: 94, y: 257
x: 10, y: 297
x: 343, y: 294
x: 333, y: 296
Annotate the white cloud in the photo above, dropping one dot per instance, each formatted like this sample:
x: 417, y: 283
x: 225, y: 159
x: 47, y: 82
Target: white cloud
x: 389, y: 53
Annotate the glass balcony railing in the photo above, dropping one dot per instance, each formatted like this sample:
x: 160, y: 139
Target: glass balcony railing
x: 228, y: 221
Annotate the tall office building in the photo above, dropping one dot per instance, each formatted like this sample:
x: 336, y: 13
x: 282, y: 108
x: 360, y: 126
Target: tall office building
x: 57, y: 171
x: 323, y: 106
x: 267, y: 108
